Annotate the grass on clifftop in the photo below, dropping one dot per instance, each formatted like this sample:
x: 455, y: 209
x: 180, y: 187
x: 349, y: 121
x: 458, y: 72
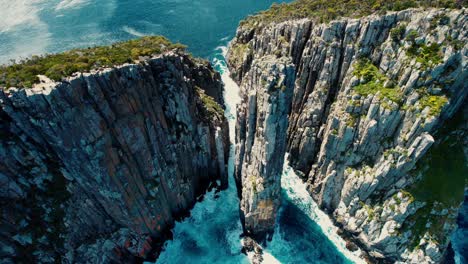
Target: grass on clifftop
x: 57, y: 66
x: 326, y: 10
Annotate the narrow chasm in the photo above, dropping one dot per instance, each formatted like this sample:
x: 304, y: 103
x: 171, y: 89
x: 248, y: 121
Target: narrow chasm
x: 324, y: 132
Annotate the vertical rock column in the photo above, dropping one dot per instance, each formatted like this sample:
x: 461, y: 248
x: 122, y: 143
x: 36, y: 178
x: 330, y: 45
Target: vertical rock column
x: 266, y: 92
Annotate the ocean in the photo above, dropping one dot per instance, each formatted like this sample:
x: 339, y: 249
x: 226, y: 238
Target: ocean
x: 211, y: 234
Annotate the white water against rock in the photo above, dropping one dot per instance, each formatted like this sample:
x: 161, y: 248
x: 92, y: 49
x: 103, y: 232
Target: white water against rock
x: 212, y: 233
x: 295, y: 194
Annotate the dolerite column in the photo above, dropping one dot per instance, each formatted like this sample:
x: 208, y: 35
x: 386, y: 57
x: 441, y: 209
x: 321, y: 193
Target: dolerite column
x: 266, y: 93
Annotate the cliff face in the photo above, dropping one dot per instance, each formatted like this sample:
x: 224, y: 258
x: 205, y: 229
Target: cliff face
x: 370, y: 97
x: 97, y: 168
x: 261, y: 128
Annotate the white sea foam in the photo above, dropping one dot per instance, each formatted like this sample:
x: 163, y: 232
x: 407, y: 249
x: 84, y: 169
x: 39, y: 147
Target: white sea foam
x: 213, y: 215
x: 297, y: 193
x: 212, y: 232
x: 133, y: 31
x: 70, y: 4
x: 20, y: 21
x: 231, y: 91
x: 292, y: 185
x: 17, y: 13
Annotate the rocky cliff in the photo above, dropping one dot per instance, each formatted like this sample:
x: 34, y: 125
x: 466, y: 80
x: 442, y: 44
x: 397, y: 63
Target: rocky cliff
x: 96, y: 168
x: 357, y: 102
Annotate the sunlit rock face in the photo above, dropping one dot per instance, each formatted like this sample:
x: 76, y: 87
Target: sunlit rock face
x: 261, y: 129
x: 98, y: 167
x: 370, y: 97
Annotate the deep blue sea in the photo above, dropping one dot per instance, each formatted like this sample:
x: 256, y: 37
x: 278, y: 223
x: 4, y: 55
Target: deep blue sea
x: 212, y: 233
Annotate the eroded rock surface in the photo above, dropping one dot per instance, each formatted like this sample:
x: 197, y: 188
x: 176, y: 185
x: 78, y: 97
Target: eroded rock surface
x: 261, y: 129
x: 97, y: 168
x: 369, y: 97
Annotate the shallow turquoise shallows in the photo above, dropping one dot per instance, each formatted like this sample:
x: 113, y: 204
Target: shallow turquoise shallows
x: 212, y: 233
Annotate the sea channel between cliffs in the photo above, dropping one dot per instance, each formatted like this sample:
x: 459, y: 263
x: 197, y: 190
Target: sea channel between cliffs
x: 212, y: 232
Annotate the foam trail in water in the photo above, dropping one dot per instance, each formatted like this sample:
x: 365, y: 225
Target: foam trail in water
x: 69, y: 4
x: 22, y: 32
x: 231, y: 90
x: 17, y: 13
x: 133, y: 31
x: 294, y: 190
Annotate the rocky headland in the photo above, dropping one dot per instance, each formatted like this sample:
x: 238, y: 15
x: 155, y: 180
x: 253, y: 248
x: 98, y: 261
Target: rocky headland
x: 103, y: 149
x: 367, y: 107
x: 96, y: 167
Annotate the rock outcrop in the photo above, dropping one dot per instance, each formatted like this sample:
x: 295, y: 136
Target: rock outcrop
x: 96, y: 169
x: 370, y: 97
x: 261, y: 132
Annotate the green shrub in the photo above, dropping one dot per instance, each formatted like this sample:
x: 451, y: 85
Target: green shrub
x: 213, y: 109
x: 374, y: 82
x: 428, y: 55
x: 441, y: 186
x: 408, y: 195
x: 237, y: 52
x: 60, y: 65
x: 434, y: 102
x: 441, y: 20
x: 412, y: 36
x: 456, y: 43
x: 397, y: 33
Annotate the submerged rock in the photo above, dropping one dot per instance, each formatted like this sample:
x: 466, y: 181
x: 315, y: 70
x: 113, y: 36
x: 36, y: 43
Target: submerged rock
x: 251, y: 247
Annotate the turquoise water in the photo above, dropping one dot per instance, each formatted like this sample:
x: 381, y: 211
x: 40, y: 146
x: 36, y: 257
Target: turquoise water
x: 39, y: 26
x: 212, y: 233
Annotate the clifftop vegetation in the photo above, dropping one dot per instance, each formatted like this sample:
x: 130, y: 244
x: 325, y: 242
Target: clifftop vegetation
x: 326, y: 10
x: 56, y: 66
